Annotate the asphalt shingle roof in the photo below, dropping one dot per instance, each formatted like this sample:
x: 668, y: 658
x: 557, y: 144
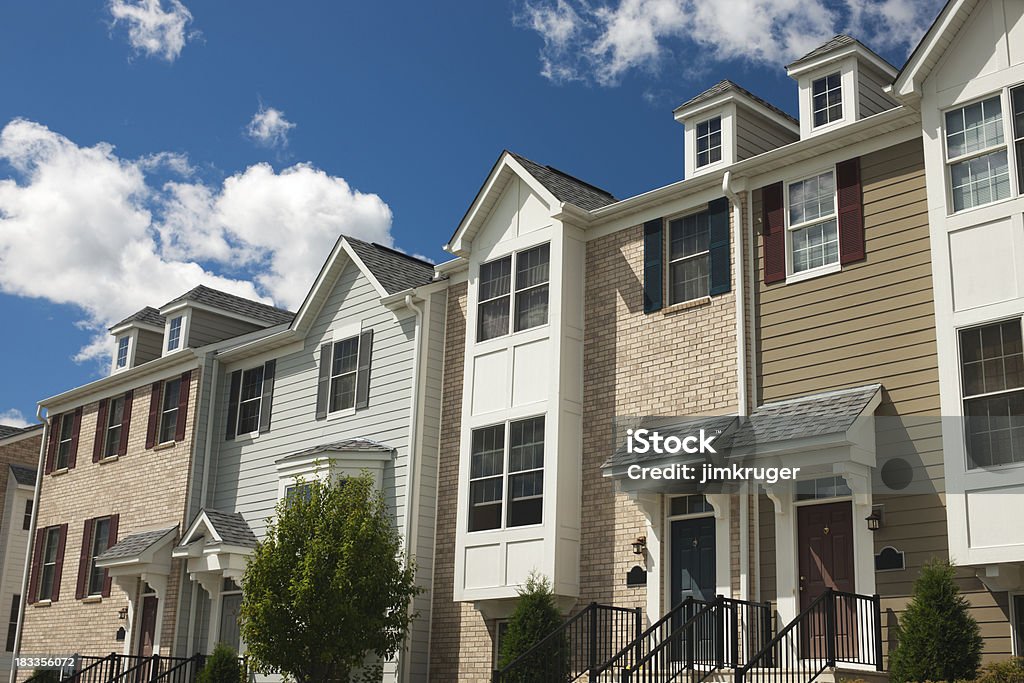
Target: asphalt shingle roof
x: 231, y: 303
x: 834, y: 43
x: 395, y: 271
x: 7, y: 430
x: 148, y: 316
x: 26, y: 476
x: 356, y: 444
x: 231, y: 527
x: 725, y: 86
x: 565, y: 187
x: 135, y: 544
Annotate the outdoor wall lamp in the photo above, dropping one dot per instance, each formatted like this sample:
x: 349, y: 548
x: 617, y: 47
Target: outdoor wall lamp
x: 639, y: 545
x: 122, y: 613
x: 874, y: 520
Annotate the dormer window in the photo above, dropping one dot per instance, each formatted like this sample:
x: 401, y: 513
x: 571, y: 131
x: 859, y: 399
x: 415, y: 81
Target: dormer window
x: 174, y: 333
x: 122, y: 352
x: 709, y: 141
x: 827, y: 99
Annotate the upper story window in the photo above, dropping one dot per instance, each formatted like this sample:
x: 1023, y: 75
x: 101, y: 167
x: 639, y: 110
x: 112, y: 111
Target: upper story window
x: 114, y: 426
x: 26, y: 520
x: 122, y: 351
x: 813, y: 228
x: 344, y: 367
x: 827, y: 99
x: 249, y: 400
x: 992, y: 377
x: 506, y: 486
x: 64, y: 442
x: 49, y: 570
x: 12, y: 622
x: 979, y: 167
x: 297, y: 492
x: 174, y: 333
x: 169, y: 410
x: 344, y: 382
x: 96, y: 546
x: 1017, y: 99
x: 532, y: 269
x: 688, y: 252
x: 709, y: 141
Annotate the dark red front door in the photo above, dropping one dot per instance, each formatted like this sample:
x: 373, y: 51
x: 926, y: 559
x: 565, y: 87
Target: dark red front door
x: 825, y: 547
x: 147, y: 625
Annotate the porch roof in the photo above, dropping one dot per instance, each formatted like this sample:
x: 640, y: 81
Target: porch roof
x: 135, y: 545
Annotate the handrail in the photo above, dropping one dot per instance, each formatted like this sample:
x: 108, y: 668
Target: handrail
x: 673, y: 639
x: 647, y: 633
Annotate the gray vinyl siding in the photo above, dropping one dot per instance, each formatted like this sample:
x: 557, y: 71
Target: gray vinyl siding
x: 872, y: 99
x: 149, y: 346
x: 757, y: 135
x: 206, y: 328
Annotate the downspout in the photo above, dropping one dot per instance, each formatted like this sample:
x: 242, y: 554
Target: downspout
x: 754, y: 389
x: 413, y: 468
x: 31, y: 539
x: 741, y: 373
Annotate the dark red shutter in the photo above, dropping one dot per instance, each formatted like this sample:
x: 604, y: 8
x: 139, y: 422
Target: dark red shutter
x: 76, y: 429
x: 85, y: 560
x: 101, y: 430
x: 111, y: 540
x: 59, y: 569
x: 179, y: 427
x: 51, y: 448
x: 37, y: 562
x: 773, y: 235
x: 851, y: 211
x: 234, y: 394
x: 154, y: 413
x: 126, y: 422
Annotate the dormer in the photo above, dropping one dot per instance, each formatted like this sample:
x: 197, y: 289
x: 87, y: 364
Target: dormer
x: 137, y: 339
x: 726, y: 123
x: 840, y: 82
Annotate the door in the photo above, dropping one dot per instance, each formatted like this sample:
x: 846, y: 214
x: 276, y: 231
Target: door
x: 825, y: 547
x: 147, y: 633
x: 230, y: 607
x: 693, y: 575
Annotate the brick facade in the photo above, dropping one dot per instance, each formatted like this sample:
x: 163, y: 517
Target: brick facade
x: 24, y: 451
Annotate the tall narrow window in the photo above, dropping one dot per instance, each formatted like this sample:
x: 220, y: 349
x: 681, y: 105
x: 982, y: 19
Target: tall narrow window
x: 526, y: 472
x: 506, y: 478
x: 48, y: 570
x: 688, y: 251
x: 122, y: 351
x: 486, y: 480
x: 976, y: 153
x: 992, y: 376
x: 169, y: 410
x: 174, y: 334
x: 827, y: 99
x: 26, y: 520
x: 99, y: 544
x: 532, y: 287
x: 344, y: 367
x: 115, y: 421
x: 493, y: 306
x: 1017, y: 97
x: 709, y: 141
x: 12, y: 622
x: 249, y: 400
x: 813, y: 228
x: 67, y: 422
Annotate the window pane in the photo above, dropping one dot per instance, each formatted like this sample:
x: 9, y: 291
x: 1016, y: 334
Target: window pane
x: 169, y: 419
x: 995, y: 429
x: 248, y: 417
x: 532, y: 266
x: 974, y: 127
x: 709, y: 141
x: 122, y: 352
x: 100, y: 540
x: 495, y: 278
x: 526, y: 498
x: 526, y: 445
x: 252, y: 383
x: 689, y: 235
x: 992, y: 358
x: 493, y: 319
x: 113, y: 444
x: 531, y: 308
x: 168, y: 426
x: 174, y: 334
x: 815, y: 246
x: 343, y: 392
x: 811, y: 199
x: 827, y: 99
x: 688, y: 279
x: 488, y: 452
x: 346, y: 356
x: 485, y: 504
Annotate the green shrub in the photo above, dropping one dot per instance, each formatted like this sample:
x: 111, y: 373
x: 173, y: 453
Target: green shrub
x: 535, y: 617
x: 1009, y: 671
x: 937, y: 638
x: 221, y: 666
x: 44, y: 676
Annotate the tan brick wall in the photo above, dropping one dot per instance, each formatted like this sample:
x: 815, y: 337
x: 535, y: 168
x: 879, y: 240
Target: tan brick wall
x: 147, y: 488
x: 22, y: 452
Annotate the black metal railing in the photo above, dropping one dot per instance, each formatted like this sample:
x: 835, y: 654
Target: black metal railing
x: 837, y: 627
x: 118, y: 668
x: 579, y: 647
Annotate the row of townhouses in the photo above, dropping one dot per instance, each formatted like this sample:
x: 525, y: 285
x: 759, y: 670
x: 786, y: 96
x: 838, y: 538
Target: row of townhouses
x: 835, y: 292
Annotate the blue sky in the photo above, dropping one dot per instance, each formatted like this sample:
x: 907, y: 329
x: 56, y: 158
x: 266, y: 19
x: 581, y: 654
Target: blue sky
x: 149, y: 145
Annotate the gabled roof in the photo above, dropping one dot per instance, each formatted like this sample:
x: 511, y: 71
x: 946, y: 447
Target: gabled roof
x: 840, y: 42
x: 229, y: 528
x: 147, y: 316
x: 134, y: 545
x: 933, y: 43
x: 230, y: 303
x: 833, y: 43
x: 395, y: 271
x: 26, y: 476
x: 356, y: 444
x: 7, y: 430
x: 565, y: 187
x: 726, y: 86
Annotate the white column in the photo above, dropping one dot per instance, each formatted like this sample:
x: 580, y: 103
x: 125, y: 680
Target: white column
x: 787, y: 571
x: 130, y: 586
x: 158, y: 582
x: 212, y: 583
x: 723, y: 546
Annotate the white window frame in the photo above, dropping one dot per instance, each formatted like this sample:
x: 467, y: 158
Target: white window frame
x: 164, y: 410
x: 180, y: 319
x: 1006, y: 114
x: 506, y: 475
x: 1016, y: 636
x: 513, y: 294
x: 65, y: 419
x: 842, y: 99
x: 791, y: 275
x: 697, y: 137
x: 344, y: 410
x: 93, y: 555
x: 124, y: 340
x: 669, y: 261
x: 43, y: 563
x: 516, y: 291
x: 259, y: 399
x: 108, y: 427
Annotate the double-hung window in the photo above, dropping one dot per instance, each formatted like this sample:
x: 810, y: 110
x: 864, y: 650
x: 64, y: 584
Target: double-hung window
x: 249, y: 400
x: 827, y: 99
x: 64, y: 442
x: 976, y: 153
x: 26, y: 520
x: 122, y: 351
x: 506, y: 479
x: 992, y: 376
x: 174, y: 333
x: 1017, y: 101
x: 48, y: 565
x: 344, y: 368
x: 169, y: 410
x: 12, y: 622
x: 688, y: 254
x: 113, y: 428
x: 98, y: 544
x: 709, y: 141
x: 813, y: 228
x: 532, y: 275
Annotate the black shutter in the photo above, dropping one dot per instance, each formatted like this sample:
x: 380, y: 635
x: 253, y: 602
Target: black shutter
x: 269, y: 368
x: 233, y: 395
x: 654, y: 249
x: 718, y: 258
x: 363, y: 367
x: 324, y: 384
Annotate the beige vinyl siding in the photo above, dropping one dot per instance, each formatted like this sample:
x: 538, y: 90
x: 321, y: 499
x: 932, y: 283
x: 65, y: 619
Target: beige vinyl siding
x: 148, y: 346
x: 872, y: 98
x: 756, y: 135
x: 206, y: 327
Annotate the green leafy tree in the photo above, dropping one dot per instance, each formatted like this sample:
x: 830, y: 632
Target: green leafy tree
x: 535, y: 617
x: 221, y: 666
x: 328, y: 586
x: 937, y: 639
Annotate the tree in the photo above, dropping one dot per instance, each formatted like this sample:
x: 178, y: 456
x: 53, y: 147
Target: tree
x: 328, y: 585
x: 937, y: 639
x: 535, y: 617
x: 221, y: 666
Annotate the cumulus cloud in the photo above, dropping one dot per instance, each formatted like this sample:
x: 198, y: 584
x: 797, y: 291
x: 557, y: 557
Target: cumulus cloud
x: 269, y: 127
x: 13, y: 418
x: 152, y: 30
x: 83, y: 226
x: 601, y: 43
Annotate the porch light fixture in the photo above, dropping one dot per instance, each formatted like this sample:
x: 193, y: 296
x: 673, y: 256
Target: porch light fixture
x: 639, y: 545
x: 122, y: 613
x: 874, y: 520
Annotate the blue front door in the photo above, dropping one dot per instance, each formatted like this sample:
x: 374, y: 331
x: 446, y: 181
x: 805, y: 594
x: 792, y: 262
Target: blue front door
x: 693, y: 559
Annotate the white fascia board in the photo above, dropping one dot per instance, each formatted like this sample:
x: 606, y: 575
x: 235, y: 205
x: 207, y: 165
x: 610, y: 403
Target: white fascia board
x: 314, y: 300
x: 421, y: 293
x: 362, y: 267
x: 452, y: 266
x: 691, y: 113
x: 202, y: 521
x: 838, y: 55
x: 184, y: 305
x: 910, y: 78
x: 121, y: 329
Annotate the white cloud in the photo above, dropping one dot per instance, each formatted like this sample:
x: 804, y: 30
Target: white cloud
x: 152, y: 30
x: 13, y: 418
x: 82, y: 226
x: 601, y: 43
x: 269, y: 127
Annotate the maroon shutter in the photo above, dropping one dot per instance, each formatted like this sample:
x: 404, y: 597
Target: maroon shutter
x: 101, y: 430
x: 37, y: 562
x: 773, y: 240
x: 154, y: 413
x: 851, y: 211
x: 179, y: 426
x: 126, y: 422
x: 76, y: 429
x: 111, y: 540
x: 85, y: 560
x: 59, y: 569
x: 51, y: 448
